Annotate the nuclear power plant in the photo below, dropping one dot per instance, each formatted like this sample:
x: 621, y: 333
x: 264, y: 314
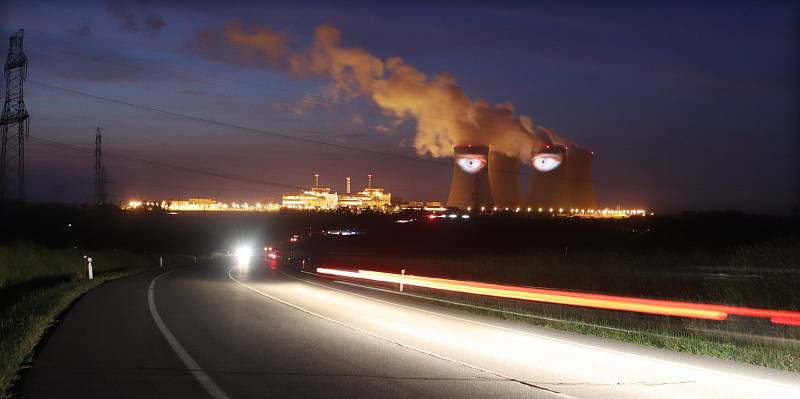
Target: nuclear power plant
x: 579, y: 178
x: 560, y: 178
x: 484, y: 180
x: 549, y: 184
x: 470, y: 185
x: 504, y: 180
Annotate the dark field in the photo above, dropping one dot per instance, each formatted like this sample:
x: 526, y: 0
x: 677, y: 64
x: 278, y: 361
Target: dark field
x: 731, y: 257
x: 760, y: 275
x: 726, y: 258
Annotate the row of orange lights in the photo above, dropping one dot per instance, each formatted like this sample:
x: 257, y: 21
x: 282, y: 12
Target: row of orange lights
x: 213, y: 206
x: 574, y: 211
x: 598, y: 301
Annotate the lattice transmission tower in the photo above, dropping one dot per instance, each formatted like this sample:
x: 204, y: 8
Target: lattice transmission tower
x: 14, y: 123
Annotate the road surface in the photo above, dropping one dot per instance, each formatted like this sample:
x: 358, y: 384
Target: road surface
x: 215, y: 331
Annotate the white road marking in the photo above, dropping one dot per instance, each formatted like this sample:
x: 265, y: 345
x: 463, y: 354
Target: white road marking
x: 212, y: 388
x: 588, y: 346
x: 393, y: 341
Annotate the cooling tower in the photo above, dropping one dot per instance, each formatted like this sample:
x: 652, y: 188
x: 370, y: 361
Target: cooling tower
x: 549, y: 187
x: 470, y: 184
x: 504, y: 180
x: 579, y: 174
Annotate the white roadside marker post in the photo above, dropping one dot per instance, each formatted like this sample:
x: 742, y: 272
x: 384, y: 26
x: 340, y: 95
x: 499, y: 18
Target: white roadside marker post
x: 195, y: 259
x: 160, y: 261
x: 402, y: 278
x: 89, y: 263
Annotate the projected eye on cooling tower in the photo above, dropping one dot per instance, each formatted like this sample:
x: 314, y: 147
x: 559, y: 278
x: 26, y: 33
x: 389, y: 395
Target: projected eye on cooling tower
x: 546, y: 162
x: 471, y: 163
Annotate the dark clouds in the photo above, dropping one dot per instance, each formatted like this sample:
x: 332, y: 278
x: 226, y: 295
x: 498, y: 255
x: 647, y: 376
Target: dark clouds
x: 265, y: 49
x: 132, y: 21
x: 126, y: 19
x: 83, y: 29
x: 154, y: 23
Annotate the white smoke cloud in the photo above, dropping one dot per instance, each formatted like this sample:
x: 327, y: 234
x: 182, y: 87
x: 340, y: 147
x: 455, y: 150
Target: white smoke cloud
x: 444, y: 115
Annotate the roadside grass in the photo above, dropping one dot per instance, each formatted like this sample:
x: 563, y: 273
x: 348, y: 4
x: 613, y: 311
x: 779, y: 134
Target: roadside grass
x: 759, y: 275
x: 765, y: 275
x: 719, y: 340
x: 37, y: 284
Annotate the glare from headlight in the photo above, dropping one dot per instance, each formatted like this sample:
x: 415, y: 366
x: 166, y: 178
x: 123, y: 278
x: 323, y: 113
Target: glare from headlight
x: 243, y: 254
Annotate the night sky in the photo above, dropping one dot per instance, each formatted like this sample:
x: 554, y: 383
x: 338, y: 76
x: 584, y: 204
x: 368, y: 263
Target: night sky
x: 685, y: 106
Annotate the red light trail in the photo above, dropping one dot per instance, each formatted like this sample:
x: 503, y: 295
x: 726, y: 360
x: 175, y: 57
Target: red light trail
x: 598, y: 301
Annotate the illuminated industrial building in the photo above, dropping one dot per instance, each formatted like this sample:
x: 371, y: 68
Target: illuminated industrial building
x: 323, y: 198
x: 372, y: 198
x: 416, y: 205
x: 315, y: 198
x: 191, y: 204
x: 201, y: 204
x: 483, y: 181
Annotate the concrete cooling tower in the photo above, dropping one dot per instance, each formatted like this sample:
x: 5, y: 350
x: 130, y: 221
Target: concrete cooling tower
x: 470, y: 184
x: 504, y: 180
x: 579, y: 175
x: 549, y: 186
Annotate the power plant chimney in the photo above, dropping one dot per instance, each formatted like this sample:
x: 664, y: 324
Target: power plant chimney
x: 562, y: 178
x: 348, y: 184
x: 316, y: 180
x: 504, y: 179
x: 470, y: 184
x: 549, y: 187
x: 579, y: 175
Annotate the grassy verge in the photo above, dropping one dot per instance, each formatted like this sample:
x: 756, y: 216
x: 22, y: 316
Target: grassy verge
x: 38, y: 284
x: 718, y: 340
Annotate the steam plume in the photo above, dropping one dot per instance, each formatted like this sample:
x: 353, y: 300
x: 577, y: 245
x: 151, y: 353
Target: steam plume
x: 444, y: 115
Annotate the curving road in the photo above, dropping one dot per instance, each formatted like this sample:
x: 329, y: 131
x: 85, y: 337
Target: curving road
x: 213, y: 331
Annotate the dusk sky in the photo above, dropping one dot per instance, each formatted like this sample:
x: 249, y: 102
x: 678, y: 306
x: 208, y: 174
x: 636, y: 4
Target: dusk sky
x: 684, y: 106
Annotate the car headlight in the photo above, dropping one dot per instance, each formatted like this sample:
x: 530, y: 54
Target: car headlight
x: 243, y: 254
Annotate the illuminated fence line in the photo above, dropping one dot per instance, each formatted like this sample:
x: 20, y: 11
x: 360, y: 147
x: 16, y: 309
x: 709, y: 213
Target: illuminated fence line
x: 598, y: 301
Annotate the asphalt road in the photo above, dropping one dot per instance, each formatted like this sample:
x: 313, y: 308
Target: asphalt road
x: 210, y: 331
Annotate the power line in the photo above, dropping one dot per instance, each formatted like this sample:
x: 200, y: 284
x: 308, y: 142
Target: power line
x: 232, y: 125
x: 316, y: 99
x: 250, y: 129
x: 167, y: 165
x: 264, y: 132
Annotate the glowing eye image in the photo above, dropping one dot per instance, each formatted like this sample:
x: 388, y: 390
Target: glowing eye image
x: 547, y: 162
x: 471, y: 163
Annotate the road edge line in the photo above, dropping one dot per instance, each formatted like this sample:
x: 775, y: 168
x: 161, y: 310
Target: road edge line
x: 204, y: 379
